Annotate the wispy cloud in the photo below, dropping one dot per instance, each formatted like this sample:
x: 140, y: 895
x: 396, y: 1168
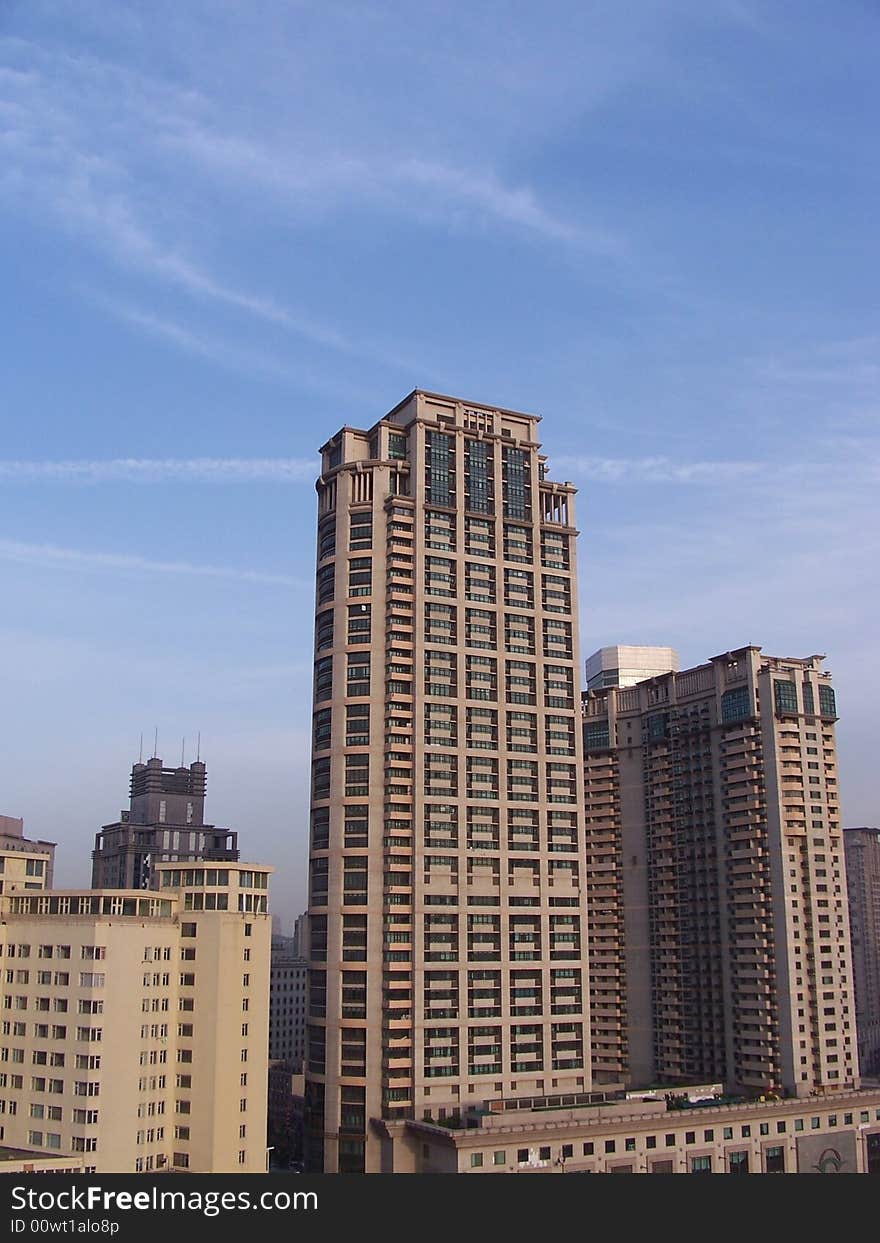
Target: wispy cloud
x: 50, y: 556
x: 487, y: 194
x: 56, y: 160
x: 165, y: 470
x: 657, y: 469
x: 395, y: 182
x: 218, y: 350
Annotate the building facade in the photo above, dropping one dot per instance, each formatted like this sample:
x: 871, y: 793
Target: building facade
x: 287, y: 1003
x: 719, y: 939
x: 447, y: 907
x: 623, y: 665
x: 24, y: 864
x: 862, y: 848
x: 165, y: 823
x: 135, y: 1023
x: 646, y: 1137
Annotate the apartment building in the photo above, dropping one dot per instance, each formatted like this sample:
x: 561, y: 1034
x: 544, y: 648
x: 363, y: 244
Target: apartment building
x: 165, y: 823
x: 862, y: 850
x: 719, y: 940
x: 447, y: 906
x: 135, y: 1022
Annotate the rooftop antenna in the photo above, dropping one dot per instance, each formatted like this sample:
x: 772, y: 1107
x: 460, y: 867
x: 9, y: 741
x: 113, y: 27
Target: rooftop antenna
x: 141, y: 750
x: 199, y: 746
x: 182, y: 752
x: 155, y: 742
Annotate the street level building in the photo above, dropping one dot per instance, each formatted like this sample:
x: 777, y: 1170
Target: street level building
x: 623, y: 665
x: 791, y: 1136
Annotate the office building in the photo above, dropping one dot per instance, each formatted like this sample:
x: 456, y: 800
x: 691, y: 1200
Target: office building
x: 287, y: 1003
x: 135, y: 1023
x: 624, y: 666
x: 862, y: 849
x: 165, y: 823
x: 24, y: 864
x: 719, y: 935
x: 447, y: 907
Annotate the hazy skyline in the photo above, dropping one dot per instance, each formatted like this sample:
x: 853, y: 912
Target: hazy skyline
x: 229, y: 230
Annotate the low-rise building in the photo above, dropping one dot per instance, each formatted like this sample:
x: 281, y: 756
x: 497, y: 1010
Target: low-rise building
x: 839, y: 1135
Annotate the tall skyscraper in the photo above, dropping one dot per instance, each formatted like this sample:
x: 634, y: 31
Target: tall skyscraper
x: 165, y: 823
x: 719, y: 936
x: 447, y: 906
x: 862, y: 848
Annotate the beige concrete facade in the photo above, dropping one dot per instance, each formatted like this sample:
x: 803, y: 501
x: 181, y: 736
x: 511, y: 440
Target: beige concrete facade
x: 721, y: 945
x: 447, y: 902
x: 135, y: 1023
x: 24, y: 864
x: 862, y: 848
x: 777, y: 1137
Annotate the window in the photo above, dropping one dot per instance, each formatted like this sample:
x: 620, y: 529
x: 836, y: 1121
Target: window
x: 774, y: 1160
x: 476, y: 1160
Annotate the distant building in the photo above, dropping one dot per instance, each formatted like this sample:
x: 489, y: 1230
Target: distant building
x: 301, y: 935
x: 287, y: 1003
x: 862, y: 848
x: 165, y: 823
x: 24, y: 864
x: 137, y: 1030
x: 624, y: 666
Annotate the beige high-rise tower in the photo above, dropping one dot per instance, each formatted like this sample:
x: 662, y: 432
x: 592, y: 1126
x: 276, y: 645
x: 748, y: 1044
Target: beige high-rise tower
x: 720, y: 945
x: 447, y: 905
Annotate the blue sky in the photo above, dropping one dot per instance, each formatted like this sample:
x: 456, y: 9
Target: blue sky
x: 228, y: 229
